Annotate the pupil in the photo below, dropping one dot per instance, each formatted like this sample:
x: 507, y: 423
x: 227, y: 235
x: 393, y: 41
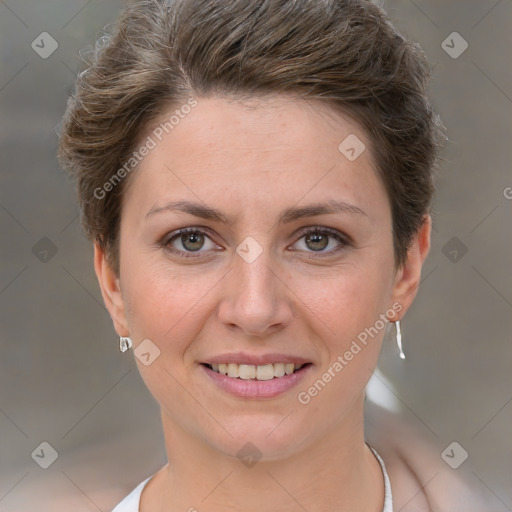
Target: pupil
x: 195, y: 237
x: 314, y: 238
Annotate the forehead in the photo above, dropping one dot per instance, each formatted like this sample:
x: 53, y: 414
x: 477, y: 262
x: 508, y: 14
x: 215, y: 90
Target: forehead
x: 254, y: 152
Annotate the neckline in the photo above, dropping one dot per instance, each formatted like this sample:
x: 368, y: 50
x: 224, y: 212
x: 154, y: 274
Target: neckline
x: 136, y: 494
x: 388, y: 496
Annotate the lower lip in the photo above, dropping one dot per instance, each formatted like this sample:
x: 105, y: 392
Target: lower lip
x: 252, y: 388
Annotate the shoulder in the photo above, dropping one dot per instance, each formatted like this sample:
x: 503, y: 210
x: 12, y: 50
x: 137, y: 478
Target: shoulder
x: 421, y: 481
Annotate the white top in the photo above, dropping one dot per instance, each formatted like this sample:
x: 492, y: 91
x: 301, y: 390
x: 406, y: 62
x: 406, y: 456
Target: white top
x: 132, y: 501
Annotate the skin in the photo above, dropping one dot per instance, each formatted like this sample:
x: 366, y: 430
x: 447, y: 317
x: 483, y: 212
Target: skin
x: 252, y: 160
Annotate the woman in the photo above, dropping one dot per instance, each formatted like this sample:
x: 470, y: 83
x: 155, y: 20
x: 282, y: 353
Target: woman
x: 256, y: 178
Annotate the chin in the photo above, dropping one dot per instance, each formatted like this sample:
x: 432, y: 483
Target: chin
x: 261, y: 437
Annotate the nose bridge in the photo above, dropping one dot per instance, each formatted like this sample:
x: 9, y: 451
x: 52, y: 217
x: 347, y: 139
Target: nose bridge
x: 254, y: 299
x: 254, y: 272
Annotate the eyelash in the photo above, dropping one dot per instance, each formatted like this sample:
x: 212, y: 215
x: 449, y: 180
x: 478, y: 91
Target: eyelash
x: 344, y: 240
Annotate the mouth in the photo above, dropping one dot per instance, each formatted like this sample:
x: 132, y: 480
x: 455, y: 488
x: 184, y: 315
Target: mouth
x: 264, y: 372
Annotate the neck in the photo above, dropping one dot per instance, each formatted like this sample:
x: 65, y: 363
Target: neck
x: 338, y: 472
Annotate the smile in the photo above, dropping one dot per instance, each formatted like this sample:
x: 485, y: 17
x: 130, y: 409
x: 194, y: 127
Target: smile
x: 255, y: 372
x: 256, y: 381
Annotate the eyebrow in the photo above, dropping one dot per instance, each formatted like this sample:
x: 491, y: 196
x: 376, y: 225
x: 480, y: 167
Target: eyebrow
x: 287, y: 216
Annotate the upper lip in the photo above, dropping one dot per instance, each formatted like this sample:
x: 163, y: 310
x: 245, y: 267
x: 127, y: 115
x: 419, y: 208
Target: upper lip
x: 256, y: 359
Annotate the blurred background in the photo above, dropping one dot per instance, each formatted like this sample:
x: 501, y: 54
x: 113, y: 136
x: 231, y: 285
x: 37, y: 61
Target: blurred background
x: 63, y: 381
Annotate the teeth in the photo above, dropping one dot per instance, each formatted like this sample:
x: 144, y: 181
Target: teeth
x: 246, y: 371
x: 232, y: 370
x: 250, y: 371
x: 279, y: 369
x: 265, y: 372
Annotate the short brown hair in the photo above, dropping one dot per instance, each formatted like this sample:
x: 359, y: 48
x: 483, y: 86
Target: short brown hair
x: 344, y: 52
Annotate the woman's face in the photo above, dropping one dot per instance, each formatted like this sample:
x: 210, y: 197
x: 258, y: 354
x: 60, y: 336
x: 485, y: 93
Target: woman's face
x: 247, y: 284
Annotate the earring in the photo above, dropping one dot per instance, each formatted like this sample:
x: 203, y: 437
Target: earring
x: 125, y: 343
x: 399, y: 339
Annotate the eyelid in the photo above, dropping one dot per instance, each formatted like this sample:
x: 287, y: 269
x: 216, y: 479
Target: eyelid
x: 192, y: 229
x: 335, y: 233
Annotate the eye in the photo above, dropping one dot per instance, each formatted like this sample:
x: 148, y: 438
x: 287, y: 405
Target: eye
x: 316, y: 240
x: 187, y: 241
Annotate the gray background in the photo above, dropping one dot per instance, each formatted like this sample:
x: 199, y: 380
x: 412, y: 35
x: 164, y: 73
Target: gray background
x: 62, y: 378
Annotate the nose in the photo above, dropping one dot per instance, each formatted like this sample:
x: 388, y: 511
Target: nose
x: 255, y: 297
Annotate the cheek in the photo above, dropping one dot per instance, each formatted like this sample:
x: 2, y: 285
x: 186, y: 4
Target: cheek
x: 348, y: 306
x: 166, y: 307
x: 162, y: 303
x: 344, y: 301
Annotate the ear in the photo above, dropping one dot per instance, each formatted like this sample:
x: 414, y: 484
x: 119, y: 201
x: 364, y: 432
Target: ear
x: 111, y: 291
x: 408, y: 276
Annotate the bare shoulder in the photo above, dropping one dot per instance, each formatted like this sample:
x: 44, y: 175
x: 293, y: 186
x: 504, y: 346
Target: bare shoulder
x: 421, y: 481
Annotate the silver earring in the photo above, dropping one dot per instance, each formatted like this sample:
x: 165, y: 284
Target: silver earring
x: 125, y: 343
x: 399, y: 339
